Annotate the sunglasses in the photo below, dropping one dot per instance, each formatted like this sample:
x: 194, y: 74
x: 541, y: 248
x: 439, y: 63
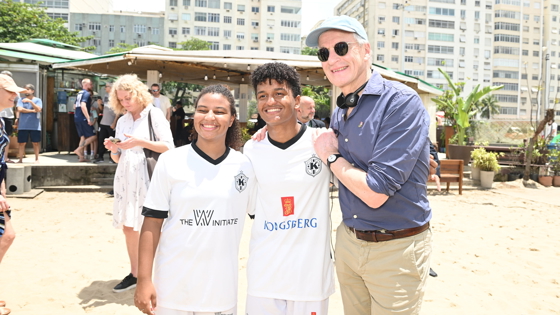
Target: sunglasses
x: 155, y: 90
x: 340, y: 49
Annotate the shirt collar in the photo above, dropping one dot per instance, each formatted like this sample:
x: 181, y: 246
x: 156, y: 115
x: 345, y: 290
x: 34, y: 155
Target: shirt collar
x: 375, y: 84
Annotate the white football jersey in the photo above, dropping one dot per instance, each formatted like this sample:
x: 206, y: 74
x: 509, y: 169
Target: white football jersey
x: 289, y: 255
x: 196, y: 263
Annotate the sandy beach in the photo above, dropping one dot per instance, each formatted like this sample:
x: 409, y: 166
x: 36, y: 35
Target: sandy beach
x: 496, y: 252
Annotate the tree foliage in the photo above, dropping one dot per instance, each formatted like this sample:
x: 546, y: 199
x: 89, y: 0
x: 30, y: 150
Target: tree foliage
x: 488, y: 106
x: 320, y: 95
x: 121, y: 47
x: 194, y: 44
x: 310, y: 51
x: 24, y: 21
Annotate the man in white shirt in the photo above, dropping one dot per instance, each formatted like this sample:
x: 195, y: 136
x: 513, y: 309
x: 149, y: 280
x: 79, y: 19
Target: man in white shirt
x: 161, y: 101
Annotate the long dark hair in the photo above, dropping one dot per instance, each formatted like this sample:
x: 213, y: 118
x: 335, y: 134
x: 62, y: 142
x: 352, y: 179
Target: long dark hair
x: 233, y: 135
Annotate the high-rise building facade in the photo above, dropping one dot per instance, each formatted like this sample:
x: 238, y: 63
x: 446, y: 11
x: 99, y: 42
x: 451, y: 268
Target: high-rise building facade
x: 111, y: 29
x: 235, y: 25
x: 487, y: 42
x: 62, y: 8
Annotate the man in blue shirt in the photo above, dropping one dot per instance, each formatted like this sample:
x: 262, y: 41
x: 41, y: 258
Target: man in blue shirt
x: 379, y: 151
x: 29, y: 121
x: 84, y: 124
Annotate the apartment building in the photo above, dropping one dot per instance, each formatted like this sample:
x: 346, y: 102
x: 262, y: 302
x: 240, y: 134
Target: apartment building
x: 491, y: 42
x: 62, y: 8
x: 111, y: 29
x: 235, y: 25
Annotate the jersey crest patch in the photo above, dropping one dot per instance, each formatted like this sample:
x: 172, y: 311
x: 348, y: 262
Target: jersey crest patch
x: 241, y: 181
x: 313, y: 166
x: 288, y: 206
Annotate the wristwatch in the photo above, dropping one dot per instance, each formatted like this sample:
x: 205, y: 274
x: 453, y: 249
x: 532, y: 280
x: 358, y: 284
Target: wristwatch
x: 332, y: 158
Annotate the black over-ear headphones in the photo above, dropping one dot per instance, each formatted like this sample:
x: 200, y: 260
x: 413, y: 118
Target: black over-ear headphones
x: 350, y: 100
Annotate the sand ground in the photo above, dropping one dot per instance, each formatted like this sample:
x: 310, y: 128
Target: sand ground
x: 496, y: 252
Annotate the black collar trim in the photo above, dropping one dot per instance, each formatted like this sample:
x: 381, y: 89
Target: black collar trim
x: 289, y: 143
x: 207, y: 158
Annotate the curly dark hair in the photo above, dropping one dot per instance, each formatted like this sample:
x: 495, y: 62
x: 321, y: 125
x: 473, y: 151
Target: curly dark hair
x: 233, y: 135
x: 280, y: 72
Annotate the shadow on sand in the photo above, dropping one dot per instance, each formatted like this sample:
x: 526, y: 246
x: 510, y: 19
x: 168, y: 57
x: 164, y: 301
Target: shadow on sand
x: 100, y: 293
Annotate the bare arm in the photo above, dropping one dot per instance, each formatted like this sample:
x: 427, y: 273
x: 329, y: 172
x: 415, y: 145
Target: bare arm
x: 145, y: 297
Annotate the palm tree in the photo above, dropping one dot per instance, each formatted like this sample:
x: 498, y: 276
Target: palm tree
x: 488, y: 106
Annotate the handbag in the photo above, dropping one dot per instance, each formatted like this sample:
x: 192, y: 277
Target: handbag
x: 151, y: 156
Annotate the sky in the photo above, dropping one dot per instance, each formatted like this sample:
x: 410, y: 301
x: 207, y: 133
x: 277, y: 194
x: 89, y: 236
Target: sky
x: 312, y: 10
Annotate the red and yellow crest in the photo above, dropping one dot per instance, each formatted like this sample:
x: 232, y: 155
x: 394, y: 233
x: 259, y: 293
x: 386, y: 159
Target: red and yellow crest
x: 288, y: 206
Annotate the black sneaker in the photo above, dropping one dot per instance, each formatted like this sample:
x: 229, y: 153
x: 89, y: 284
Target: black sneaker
x: 129, y: 282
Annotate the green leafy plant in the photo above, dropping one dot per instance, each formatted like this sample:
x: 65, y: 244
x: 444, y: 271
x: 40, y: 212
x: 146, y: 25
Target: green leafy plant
x: 487, y: 161
x: 476, y: 156
x: 554, y: 161
x: 460, y: 109
x: 245, y: 135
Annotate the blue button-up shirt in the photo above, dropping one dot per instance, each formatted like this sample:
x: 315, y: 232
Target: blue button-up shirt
x: 386, y: 135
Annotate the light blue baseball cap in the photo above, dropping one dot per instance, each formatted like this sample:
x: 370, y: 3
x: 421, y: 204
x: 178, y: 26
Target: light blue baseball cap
x: 343, y: 23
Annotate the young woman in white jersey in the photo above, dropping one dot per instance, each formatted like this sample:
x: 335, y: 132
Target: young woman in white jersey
x: 202, y: 191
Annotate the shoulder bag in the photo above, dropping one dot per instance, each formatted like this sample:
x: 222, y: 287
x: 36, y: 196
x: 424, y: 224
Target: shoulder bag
x: 151, y: 156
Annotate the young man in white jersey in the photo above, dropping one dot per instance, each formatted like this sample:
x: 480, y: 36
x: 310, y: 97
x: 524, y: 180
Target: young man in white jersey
x: 290, y: 270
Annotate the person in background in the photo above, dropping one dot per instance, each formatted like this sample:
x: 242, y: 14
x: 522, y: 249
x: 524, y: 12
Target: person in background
x: 378, y: 148
x: 179, y: 112
x: 82, y: 108
x: 9, y: 118
x: 94, y: 118
x: 306, y: 113
x: 161, y: 101
x: 209, y: 178
x: 107, y: 124
x: 130, y: 97
x: 8, y: 93
x: 29, y: 108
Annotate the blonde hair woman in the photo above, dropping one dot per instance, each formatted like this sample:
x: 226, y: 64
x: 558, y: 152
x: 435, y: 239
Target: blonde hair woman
x: 130, y: 97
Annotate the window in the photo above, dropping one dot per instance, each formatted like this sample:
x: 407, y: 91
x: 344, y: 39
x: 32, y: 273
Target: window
x: 290, y: 37
x: 476, y: 40
x: 239, y: 48
x: 395, y: 32
x: 255, y: 9
x: 508, y: 110
x: 395, y: 45
x: 139, y: 29
x: 123, y: 28
x: 442, y: 11
x: 200, y: 30
x: 186, y: 31
x: 381, y: 58
x: 172, y: 3
x: 78, y: 27
x: 395, y: 59
x: 255, y: 37
x: 255, y: 24
x: 441, y: 62
x: 226, y: 47
x: 381, y: 19
x: 396, y: 19
x: 94, y: 26
x: 463, y: 14
x: 227, y: 33
x: 111, y: 43
x: 240, y: 35
x: 228, y: 5
x: 240, y: 21
x: 462, y: 51
x: 408, y: 59
x: 270, y: 49
x: 380, y: 44
x: 111, y: 28
x: 214, y: 17
x: 269, y: 36
x: 506, y: 38
x: 172, y: 44
x: 537, y: 18
x: 535, y: 77
x: 155, y: 31
x: 57, y: 4
x: 200, y: 16
x: 270, y: 8
x: 536, y: 42
x: 172, y: 31
x: 380, y: 31
x: 214, y: 4
x: 294, y: 24
x: 241, y: 7
x: 441, y: 24
x: 213, y: 31
x: 227, y: 19
x: 201, y: 3
x: 506, y: 50
x: 506, y: 98
x: 214, y: 45
x: 535, y: 53
x: 289, y: 10
x: 56, y: 15
x: 441, y: 49
x: 186, y: 2
x: 507, y: 86
x: 186, y: 16
x: 507, y: 26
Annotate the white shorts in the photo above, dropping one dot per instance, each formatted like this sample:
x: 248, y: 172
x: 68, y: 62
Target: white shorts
x: 267, y: 306
x: 168, y: 311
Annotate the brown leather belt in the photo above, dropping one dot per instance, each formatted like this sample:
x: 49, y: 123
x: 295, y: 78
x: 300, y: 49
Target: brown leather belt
x: 385, y: 235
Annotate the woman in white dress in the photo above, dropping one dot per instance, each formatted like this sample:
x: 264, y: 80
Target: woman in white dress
x: 194, y: 215
x: 130, y: 98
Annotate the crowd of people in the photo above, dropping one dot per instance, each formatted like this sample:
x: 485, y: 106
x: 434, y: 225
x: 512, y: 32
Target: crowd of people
x: 183, y: 223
